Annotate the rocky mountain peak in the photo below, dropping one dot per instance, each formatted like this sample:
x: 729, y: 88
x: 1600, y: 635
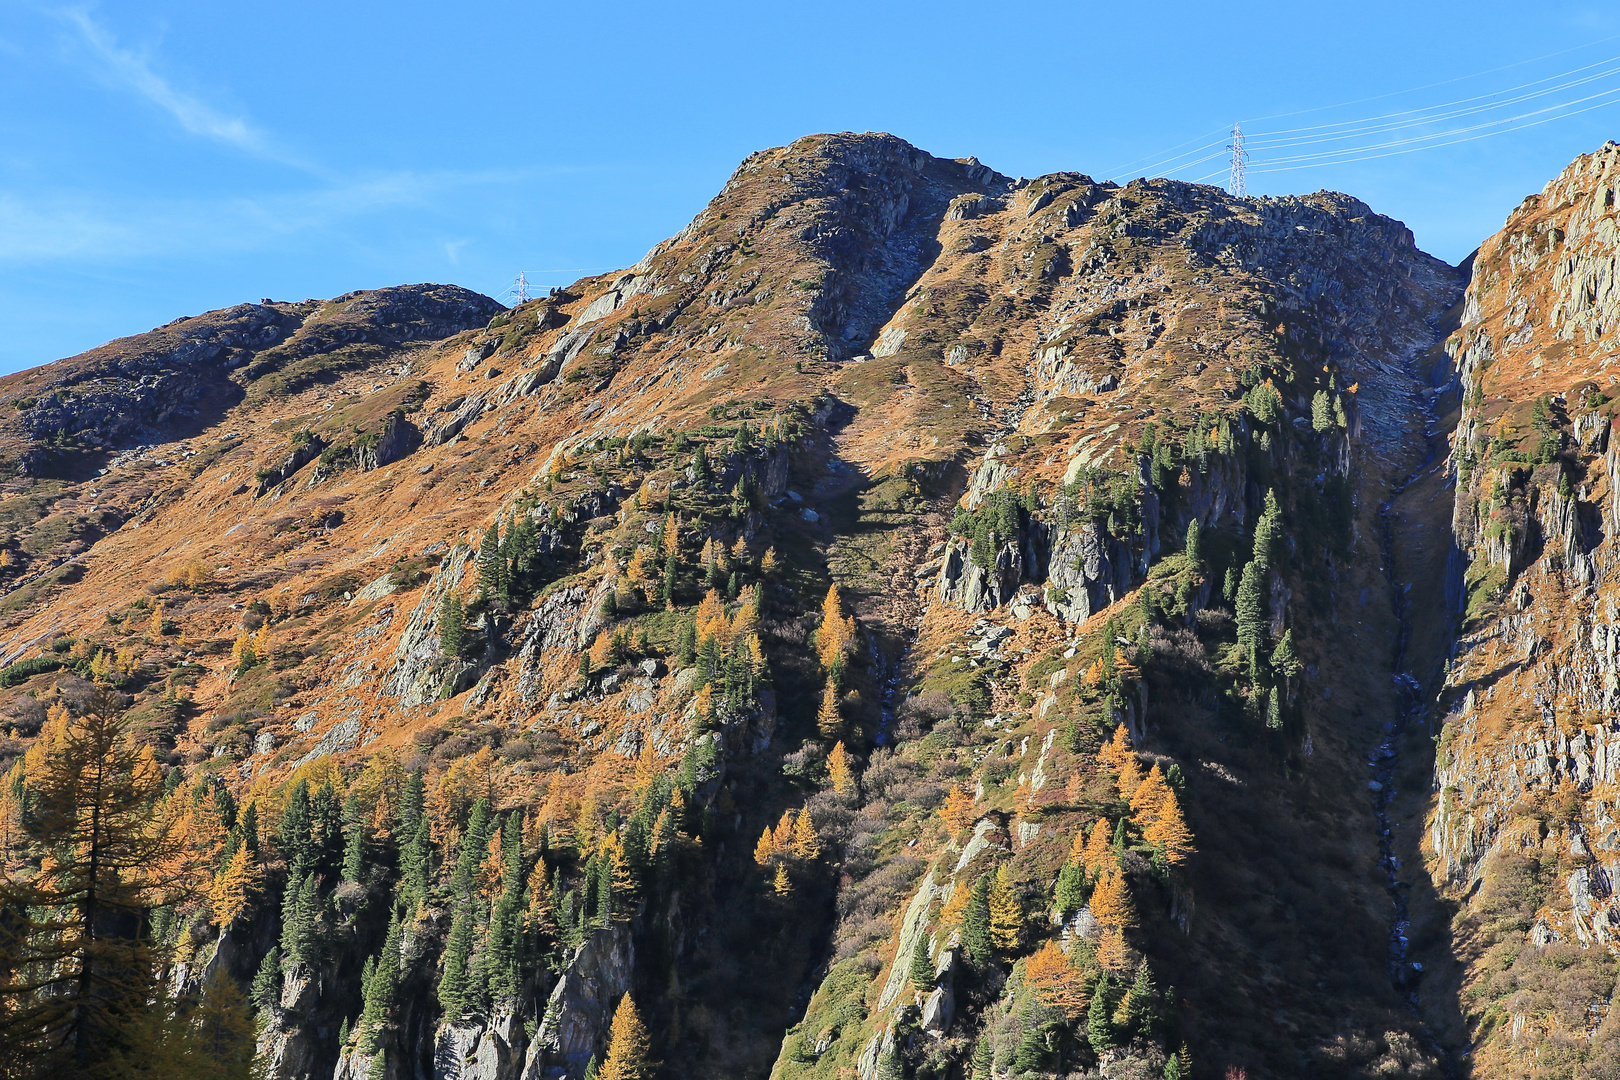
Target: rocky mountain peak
x: 914, y: 622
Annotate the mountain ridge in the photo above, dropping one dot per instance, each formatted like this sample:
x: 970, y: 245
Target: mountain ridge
x: 1108, y: 485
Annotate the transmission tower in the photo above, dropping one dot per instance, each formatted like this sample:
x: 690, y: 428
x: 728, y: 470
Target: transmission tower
x: 521, y: 291
x: 1240, y: 158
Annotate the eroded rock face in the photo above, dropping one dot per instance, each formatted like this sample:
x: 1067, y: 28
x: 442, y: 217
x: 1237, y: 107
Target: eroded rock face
x: 577, y: 1014
x: 419, y: 661
x: 1522, y: 829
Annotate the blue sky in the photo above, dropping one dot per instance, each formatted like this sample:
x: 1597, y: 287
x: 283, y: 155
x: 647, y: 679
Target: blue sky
x: 162, y: 158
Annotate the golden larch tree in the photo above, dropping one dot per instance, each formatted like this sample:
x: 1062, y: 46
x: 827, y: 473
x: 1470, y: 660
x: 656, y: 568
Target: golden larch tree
x: 782, y: 836
x: 1111, y: 903
x: 1169, y: 831
x: 829, y: 721
x: 840, y: 770
x: 1006, y: 913
x: 837, y: 630
x: 1099, y: 849
x: 765, y: 850
x: 1113, y: 952
x: 629, y: 1048
x: 957, y: 809
x: 1149, y: 796
x: 806, y: 841
x: 233, y: 887
x: 1057, y: 982
x: 77, y: 968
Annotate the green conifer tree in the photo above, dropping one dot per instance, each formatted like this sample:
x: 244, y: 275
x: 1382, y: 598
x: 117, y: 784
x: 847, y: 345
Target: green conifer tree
x: 976, y: 922
x: 416, y: 863
x: 1100, y: 1016
x: 300, y: 922
x: 922, y: 966
x: 1031, y: 1055
x: 266, y: 988
x: 474, y: 845
x: 1190, y: 548
x: 983, y: 1060
x: 1251, y: 606
x: 492, y: 577
x: 672, y: 567
x: 292, y: 833
x: 455, y: 977
x: 452, y: 625
x: 1140, y: 1011
x: 1070, y: 894
x: 1284, y: 658
x: 381, y: 988
x: 1322, y: 411
x: 354, y: 839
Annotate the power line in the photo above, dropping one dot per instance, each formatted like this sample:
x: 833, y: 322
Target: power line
x: 1177, y: 159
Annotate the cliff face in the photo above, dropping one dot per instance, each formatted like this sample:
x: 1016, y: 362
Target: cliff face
x: 513, y: 629
x: 1521, y: 832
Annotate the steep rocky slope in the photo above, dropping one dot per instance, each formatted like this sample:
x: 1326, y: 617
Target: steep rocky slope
x: 512, y: 631
x: 1520, y: 835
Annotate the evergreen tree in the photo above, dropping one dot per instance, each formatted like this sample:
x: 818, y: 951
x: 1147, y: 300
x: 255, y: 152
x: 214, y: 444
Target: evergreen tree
x: 300, y: 921
x: 1229, y: 586
x: 976, y: 922
x: 1070, y: 894
x: 412, y: 800
x: 1284, y: 658
x: 1190, y: 548
x: 501, y: 959
x: 354, y: 839
x: 602, y: 891
x: 983, y: 1062
x: 686, y: 646
x: 891, y: 1066
x: 381, y: 987
x: 247, y: 827
x: 1099, y: 1018
x: 1140, y: 1011
x: 292, y: 832
x: 474, y: 846
x: 1274, y: 719
x: 1322, y: 411
x: 1251, y: 606
x: 266, y: 989
x: 326, y: 828
x: 455, y: 977
x: 492, y: 575
x: 452, y: 625
x: 1172, y: 1068
x: 1031, y: 1055
x: 922, y: 966
x: 666, y: 589
x: 628, y: 1055
x: 416, y: 862
x: 1265, y: 531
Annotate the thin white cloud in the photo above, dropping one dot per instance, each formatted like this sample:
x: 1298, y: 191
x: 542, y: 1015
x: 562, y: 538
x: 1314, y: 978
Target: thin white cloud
x: 131, y: 70
x: 40, y: 227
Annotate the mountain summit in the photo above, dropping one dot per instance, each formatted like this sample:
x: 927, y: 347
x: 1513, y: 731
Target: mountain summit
x: 912, y: 623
